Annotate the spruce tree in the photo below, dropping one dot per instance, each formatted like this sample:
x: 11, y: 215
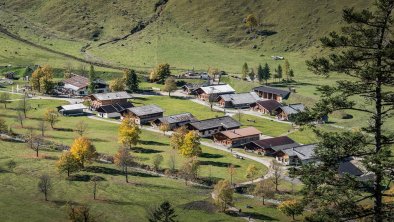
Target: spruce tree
x: 260, y: 74
x: 245, y: 70
x: 266, y: 73
x: 131, y: 80
x: 92, y: 79
x: 164, y: 213
x: 363, y: 53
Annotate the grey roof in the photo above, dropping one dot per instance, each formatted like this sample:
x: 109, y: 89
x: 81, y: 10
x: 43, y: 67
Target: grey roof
x: 240, y: 98
x: 72, y: 107
x: 224, y: 121
x: 293, y: 108
x: 284, y: 93
x: 217, y: 89
x: 303, y: 152
x: 145, y: 110
x: 183, y: 117
x: 276, y: 143
x: 112, y: 95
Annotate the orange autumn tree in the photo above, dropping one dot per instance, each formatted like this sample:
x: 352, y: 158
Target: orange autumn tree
x: 83, y: 150
x: 42, y: 79
x: 129, y: 132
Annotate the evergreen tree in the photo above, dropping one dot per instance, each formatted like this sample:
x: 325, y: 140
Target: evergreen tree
x: 279, y: 72
x: 245, y: 70
x: 131, y: 80
x: 291, y: 74
x: 252, y: 75
x: 260, y: 74
x: 92, y: 79
x: 164, y: 213
x: 364, y: 51
x: 287, y: 70
x: 266, y: 73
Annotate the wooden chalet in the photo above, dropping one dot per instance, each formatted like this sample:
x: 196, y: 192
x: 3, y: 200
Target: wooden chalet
x: 265, y: 106
x: 144, y: 114
x: 190, y: 88
x: 113, y: 110
x: 285, y: 112
x: 266, y: 92
x: 208, y: 93
x: 239, y: 100
x: 175, y: 121
x: 237, y: 137
x: 78, y: 85
x: 209, y: 127
x: 296, y: 156
x: 102, y: 99
x: 272, y: 145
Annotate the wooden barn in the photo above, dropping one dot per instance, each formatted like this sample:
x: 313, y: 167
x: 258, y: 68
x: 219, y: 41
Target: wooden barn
x: 144, y: 114
x: 208, y: 127
x: 272, y: 145
x: 175, y: 121
x: 212, y: 92
x: 266, y: 92
x: 285, y: 112
x: 113, y: 110
x: 265, y: 106
x: 239, y: 100
x: 237, y: 137
x: 72, y: 110
x: 102, y: 99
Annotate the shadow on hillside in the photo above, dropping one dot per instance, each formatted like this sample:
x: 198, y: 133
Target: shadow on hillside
x: 99, y: 140
x: 210, y: 155
x: 140, y: 174
x: 209, y: 181
x: 103, y: 170
x: 118, y: 202
x: 266, y: 32
x: 148, y: 142
x: 203, y: 205
x: 261, y: 217
x: 63, y: 129
x: 217, y: 164
x: 83, y: 178
x: 144, y: 150
x: 61, y: 203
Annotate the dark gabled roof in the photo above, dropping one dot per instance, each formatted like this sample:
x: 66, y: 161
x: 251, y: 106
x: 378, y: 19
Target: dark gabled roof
x: 303, y: 152
x: 240, y: 98
x: 284, y: 93
x: 292, y: 108
x: 178, y: 118
x: 269, y: 105
x: 276, y: 143
x: 224, y: 121
x: 145, y: 110
x: 114, y: 108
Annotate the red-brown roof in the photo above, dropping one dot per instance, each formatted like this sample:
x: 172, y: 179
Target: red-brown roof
x: 77, y: 81
x: 239, y: 133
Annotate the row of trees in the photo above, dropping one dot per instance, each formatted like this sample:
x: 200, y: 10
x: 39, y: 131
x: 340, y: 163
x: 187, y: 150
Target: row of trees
x: 264, y: 73
x: 129, y: 81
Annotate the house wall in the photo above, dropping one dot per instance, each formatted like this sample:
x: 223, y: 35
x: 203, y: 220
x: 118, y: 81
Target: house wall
x: 98, y: 103
x: 266, y: 95
x: 109, y: 115
x: 72, y: 112
x: 236, y: 142
x: 148, y: 118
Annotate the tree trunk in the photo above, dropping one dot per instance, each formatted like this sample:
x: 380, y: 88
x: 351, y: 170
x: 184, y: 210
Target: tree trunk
x: 127, y: 178
x: 37, y: 152
x: 263, y: 201
x: 46, y: 196
x: 68, y: 172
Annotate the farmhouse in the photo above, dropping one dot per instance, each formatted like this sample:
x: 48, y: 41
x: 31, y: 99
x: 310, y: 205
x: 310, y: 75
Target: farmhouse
x: 113, y: 110
x: 102, y: 99
x: 208, y: 93
x: 266, y: 106
x: 285, y: 112
x: 144, y: 114
x: 209, y: 127
x: 296, y: 155
x: 237, y: 137
x: 272, y: 145
x: 71, y: 110
x: 353, y: 166
x: 267, y: 92
x: 190, y: 88
x: 78, y: 85
x: 175, y: 121
x: 239, y: 100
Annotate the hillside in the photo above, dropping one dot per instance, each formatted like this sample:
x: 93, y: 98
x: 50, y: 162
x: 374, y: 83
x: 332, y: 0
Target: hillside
x: 204, y: 33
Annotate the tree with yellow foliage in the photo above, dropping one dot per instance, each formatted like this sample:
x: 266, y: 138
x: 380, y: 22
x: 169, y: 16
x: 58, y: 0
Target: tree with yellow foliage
x: 117, y: 85
x: 251, y: 21
x: 129, y: 132
x: 291, y: 208
x: 191, y: 145
x: 123, y: 159
x: 83, y: 150
x: 177, y: 137
x: 67, y: 163
x: 42, y: 79
x: 52, y: 117
x: 251, y: 172
x: 223, y: 194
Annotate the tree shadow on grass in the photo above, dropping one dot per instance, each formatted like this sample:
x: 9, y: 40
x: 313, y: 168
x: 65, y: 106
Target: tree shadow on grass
x: 144, y: 150
x: 103, y: 170
x: 118, y: 202
x: 210, y: 155
x: 148, y: 142
x: 63, y: 129
x: 262, y: 217
x: 140, y: 174
x: 83, y: 177
x: 99, y: 140
x: 217, y: 164
x: 61, y: 203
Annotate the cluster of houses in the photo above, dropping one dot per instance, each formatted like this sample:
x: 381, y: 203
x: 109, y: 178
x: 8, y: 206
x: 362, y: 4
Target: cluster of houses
x: 223, y: 130
x: 263, y: 99
x: 78, y: 85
